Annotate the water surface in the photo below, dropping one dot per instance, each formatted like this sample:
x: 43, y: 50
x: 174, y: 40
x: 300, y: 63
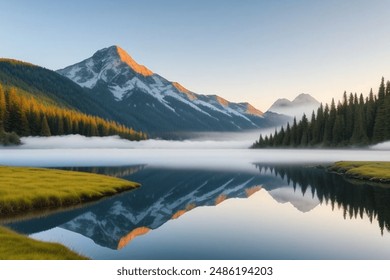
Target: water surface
x: 257, y: 211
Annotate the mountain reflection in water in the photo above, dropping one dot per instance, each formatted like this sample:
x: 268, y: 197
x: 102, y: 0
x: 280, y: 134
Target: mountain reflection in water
x: 168, y: 194
x: 164, y: 195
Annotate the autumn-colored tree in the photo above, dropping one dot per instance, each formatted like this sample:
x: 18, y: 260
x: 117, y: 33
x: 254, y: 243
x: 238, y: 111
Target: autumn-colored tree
x: 26, y: 115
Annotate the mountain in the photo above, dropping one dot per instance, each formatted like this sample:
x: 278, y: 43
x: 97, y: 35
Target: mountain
x: 51, y: 88
x: 35, y: 101
x: 152, y: 103
x: 302, y: 104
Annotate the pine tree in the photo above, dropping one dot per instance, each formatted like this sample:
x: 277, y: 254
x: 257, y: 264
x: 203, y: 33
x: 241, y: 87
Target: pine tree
x: 318, y: 126
x: 359, y: 136
x: 294, y: 136
x: 287, y: 136
x: 370, y: 115
x: 45, y: 130
x: 68, y: 129
x: 387, y: 117
x: 348, y: 117
x: 280, y: 137
x: 328, y: 128
x: 381, y: 92
x: 23, y: 127
x: 304, y: 124
x: 34, y: 120
x: 14, y: 112
x: 3, y: 109
x: 60, y: 126
x: 312, y: 128
x: 338, y: 133
x: 380, y: 125
x: 387, y: 92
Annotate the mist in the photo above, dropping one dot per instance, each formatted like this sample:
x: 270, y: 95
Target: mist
x: 76, y: 150
x: 209, y: 140
x: 114, y: 142
x: 382, y: 146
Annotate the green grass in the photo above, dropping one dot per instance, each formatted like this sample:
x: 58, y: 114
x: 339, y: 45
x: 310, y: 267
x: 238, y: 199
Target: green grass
x: 23, y: 190
x: 366, y: 170
x: 15, y: 246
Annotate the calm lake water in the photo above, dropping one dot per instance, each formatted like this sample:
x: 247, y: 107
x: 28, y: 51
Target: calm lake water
x: 226, y: 211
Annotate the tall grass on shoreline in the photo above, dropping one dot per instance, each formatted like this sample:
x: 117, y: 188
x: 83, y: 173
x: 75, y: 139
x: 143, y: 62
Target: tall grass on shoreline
x: 26, y: 189
x: 14, y: 246
x: 365, y: 170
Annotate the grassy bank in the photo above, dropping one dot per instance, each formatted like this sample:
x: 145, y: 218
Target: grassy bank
x: 15, y: 246
x: 29, y: 189
x: 364, y: 170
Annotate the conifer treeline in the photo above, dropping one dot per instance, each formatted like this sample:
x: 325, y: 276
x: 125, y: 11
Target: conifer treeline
x: 26, y: 116
x: 355, y: 121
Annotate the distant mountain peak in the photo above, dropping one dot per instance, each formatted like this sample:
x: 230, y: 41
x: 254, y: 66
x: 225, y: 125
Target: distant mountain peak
x: 302, y: 104
x: 281, y: 102
x: 304, y: 98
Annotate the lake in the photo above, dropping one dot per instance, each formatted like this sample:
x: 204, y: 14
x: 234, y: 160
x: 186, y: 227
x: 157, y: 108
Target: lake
x: 206, y: 202
x: 258, y: 211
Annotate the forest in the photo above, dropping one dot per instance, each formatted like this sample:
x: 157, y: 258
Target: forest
x: 24, y: 115
x: 354, y: 121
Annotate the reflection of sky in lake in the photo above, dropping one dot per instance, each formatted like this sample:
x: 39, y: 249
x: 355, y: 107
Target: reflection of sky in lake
x: 253, y: 228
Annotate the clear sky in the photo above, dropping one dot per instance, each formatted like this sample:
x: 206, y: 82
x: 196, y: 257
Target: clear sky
x: 243, y: 50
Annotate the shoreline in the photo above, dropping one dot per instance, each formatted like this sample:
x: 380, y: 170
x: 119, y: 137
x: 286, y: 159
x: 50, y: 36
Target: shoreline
x: 370, y: 171
x: 27, y: 191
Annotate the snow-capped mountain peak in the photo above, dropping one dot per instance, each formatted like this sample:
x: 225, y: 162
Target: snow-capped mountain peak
x: 126, y: 58
x: 108, y: 65
x: 154, y: 103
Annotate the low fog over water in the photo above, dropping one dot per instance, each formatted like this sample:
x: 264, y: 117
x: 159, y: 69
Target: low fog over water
x: 76, y: 150
x: 206, y: 140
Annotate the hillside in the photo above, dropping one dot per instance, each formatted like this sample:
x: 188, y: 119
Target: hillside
x: 25, y: 115
x: 51, y: 88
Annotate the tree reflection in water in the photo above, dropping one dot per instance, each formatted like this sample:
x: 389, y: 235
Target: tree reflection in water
x: 355, y: 198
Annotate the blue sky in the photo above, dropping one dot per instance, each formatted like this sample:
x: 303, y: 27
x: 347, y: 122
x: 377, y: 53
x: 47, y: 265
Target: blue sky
x: 248, y: 50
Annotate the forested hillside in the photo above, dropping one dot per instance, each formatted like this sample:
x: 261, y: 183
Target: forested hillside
x: 24, y: 115
x: 355, y: 121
